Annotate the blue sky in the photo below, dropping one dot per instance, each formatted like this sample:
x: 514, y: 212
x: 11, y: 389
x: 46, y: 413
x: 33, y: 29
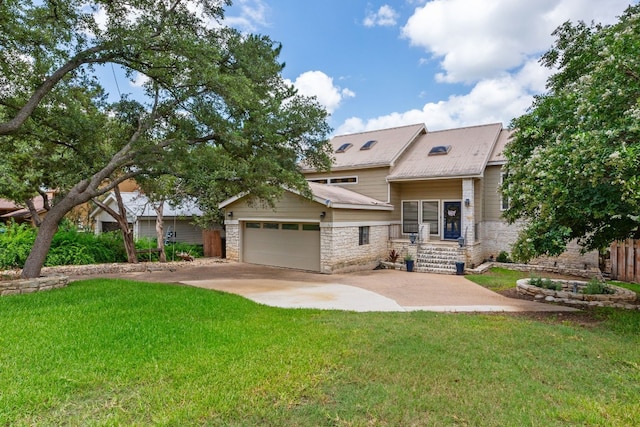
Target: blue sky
x: 445, y: 63
x: 380, y: 64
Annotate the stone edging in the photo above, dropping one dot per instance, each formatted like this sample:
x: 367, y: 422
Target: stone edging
x: 595, y: 272
x: 620, y: 299
x: 27, y: 286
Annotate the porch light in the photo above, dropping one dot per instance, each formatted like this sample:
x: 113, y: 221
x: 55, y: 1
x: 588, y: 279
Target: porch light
x: 467, y: 202
x: 230, y: 214
x: 461, y: 241
x: 323, y: 214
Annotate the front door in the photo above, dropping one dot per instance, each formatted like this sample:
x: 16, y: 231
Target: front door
x: 452, y: 220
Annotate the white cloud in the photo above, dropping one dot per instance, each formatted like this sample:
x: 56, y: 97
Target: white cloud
x: 494, y: 100
x: 480, y: 39
x: 253, y: 15
x: 386, y: 16
x: 318, y: 84
x: 139, y: 80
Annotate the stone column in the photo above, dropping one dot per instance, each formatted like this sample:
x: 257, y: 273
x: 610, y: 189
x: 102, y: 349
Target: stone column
x: 468, y: 212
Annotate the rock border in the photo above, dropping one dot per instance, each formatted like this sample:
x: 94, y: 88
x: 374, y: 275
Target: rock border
x: 621, y: 297
x: 28, y: 286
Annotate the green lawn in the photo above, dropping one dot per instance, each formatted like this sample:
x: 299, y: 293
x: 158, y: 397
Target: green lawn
x: 109, y: 352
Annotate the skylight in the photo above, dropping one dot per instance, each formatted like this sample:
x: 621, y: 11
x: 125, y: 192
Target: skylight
x: 440, y: 150
x: 344, y: 147
x: 367, y: 145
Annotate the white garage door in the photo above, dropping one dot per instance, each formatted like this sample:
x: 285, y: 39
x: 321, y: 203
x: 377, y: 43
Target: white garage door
x: 282, y: 244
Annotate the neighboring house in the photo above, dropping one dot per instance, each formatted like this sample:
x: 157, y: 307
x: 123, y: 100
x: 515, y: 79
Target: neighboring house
x: 386, y: 189
x: 19, y: 213
x: 141, y: 216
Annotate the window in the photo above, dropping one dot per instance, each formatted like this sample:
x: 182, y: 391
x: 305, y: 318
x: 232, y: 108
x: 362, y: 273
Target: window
x: 431, y: 216
x: 363, y: 235
x: 440, y: 150
x: 409, y: 217
x: 290, y: 226
x: 337, y: 180
x: 310, y: 227
x: 253, y: 225
x: 367, y: 145
x: 270, y: 226
x: 504, y: 202
x: 344, y: 147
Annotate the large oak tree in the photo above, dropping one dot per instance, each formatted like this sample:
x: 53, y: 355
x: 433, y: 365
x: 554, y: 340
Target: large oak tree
x: 210, y: 90
x: 574, y: 161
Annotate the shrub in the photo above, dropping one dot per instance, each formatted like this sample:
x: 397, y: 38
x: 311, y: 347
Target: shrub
x: 545, y: 283
x: 393, y: 256
x: 596, y: 287
x: 16, y: 241
x: 503, y: 256
x: 171, y: 250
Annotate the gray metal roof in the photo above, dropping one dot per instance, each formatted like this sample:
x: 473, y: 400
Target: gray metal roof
x: 497, y: 157
x: 390, y: 144
x: 471, y: 148
x: 338, y: 197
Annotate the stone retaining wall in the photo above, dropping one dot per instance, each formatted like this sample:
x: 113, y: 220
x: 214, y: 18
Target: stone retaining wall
x: 621, y: 298
x: 27, y: 286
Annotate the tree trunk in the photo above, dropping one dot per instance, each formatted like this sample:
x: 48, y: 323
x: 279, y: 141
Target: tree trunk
x: 38, y: 255
x: 127, y: 232
x: 159, y: 208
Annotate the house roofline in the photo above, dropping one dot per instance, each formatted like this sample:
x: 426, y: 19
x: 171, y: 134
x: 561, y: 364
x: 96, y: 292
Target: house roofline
x: 433, y: 178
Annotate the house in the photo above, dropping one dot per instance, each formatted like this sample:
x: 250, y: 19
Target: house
x: 9, y: 210
x: 434, y: 195
x: 141, y: 216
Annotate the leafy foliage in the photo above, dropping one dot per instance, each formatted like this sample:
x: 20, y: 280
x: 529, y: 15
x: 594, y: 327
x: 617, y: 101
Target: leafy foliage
x: 545, y: 283
x: 172, y: 249
x: 217, y: 113
x: 503, y: 256
x: 16, y: 241
x: 573, y: 163
x: 596, y: 287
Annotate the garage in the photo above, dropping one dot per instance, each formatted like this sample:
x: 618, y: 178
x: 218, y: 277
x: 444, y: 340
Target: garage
x: 282, y: 244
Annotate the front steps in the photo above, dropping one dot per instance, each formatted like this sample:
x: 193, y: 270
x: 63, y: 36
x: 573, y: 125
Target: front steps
x: 437, y: 259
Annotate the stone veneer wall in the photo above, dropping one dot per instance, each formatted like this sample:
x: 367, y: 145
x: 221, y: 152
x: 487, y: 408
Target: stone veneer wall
x: 340, y: 251
x: 232, y: 242
x: 27, y: 286
x: 497, y: 236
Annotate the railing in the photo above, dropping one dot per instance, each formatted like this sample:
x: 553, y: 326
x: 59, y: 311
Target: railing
x: 422, y: 234
x: 395, y: 231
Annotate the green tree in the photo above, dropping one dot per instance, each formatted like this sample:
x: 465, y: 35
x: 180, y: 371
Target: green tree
x: 574, y: 161
x: 208, y: 88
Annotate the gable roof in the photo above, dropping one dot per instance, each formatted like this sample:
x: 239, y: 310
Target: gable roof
x: 497, y: 157
x: 332, y: 196
x: 471, y: 148
x: 138, y: 205
x: 389, y: 146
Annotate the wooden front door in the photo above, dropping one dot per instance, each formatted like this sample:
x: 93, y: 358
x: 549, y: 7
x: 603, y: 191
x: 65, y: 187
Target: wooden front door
x: 452, y: 220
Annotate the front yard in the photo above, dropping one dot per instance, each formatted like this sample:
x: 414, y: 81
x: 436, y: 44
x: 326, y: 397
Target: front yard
x: 115, y: 352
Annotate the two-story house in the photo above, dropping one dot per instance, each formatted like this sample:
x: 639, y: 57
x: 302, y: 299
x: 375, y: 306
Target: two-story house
x: 403, y: 188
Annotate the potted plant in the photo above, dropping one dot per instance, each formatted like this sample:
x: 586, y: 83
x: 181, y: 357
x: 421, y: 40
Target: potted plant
x: 408, y: 260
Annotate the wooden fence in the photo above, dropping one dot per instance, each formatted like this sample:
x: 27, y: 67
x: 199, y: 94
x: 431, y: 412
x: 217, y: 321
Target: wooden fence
x: 212, y: 243
x: 625, y: 261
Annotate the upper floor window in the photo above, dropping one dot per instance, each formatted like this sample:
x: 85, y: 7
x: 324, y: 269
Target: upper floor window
x: 344, y: 147
x: 367, y: 145
x: 337, y: 180
x: 504, y: 201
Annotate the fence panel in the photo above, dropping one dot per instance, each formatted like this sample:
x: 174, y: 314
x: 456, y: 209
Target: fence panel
x: 625, y: 261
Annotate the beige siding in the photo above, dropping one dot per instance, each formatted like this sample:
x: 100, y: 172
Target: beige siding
x: 289, y: 206
x: 353, y: 215
x: 183, y: 230
x: 491, y: 203
x: 371, y: 182
x: 450, y: 189
x: 479, y: 200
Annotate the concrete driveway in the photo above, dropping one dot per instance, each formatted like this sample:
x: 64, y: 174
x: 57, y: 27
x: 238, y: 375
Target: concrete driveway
x: 376, y: 290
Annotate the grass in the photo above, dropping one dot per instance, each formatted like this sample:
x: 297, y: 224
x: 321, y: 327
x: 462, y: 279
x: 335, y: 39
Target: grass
x: 498, y: 279
x: 114, y: 352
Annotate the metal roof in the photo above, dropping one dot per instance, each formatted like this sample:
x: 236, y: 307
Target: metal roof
x: 389, y: 145
x: 340, y: 198
x: 497, y: 157
x: 470, y: 150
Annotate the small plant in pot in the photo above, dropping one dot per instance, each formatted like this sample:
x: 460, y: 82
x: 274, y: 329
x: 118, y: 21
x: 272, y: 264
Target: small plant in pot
x: 408, y: 260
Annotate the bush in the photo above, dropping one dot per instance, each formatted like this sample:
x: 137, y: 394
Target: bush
x: 596, y: 287
x: 171, y: 250
x: 545, y: 283
x: 503, y: 256
x: 16, y: 241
